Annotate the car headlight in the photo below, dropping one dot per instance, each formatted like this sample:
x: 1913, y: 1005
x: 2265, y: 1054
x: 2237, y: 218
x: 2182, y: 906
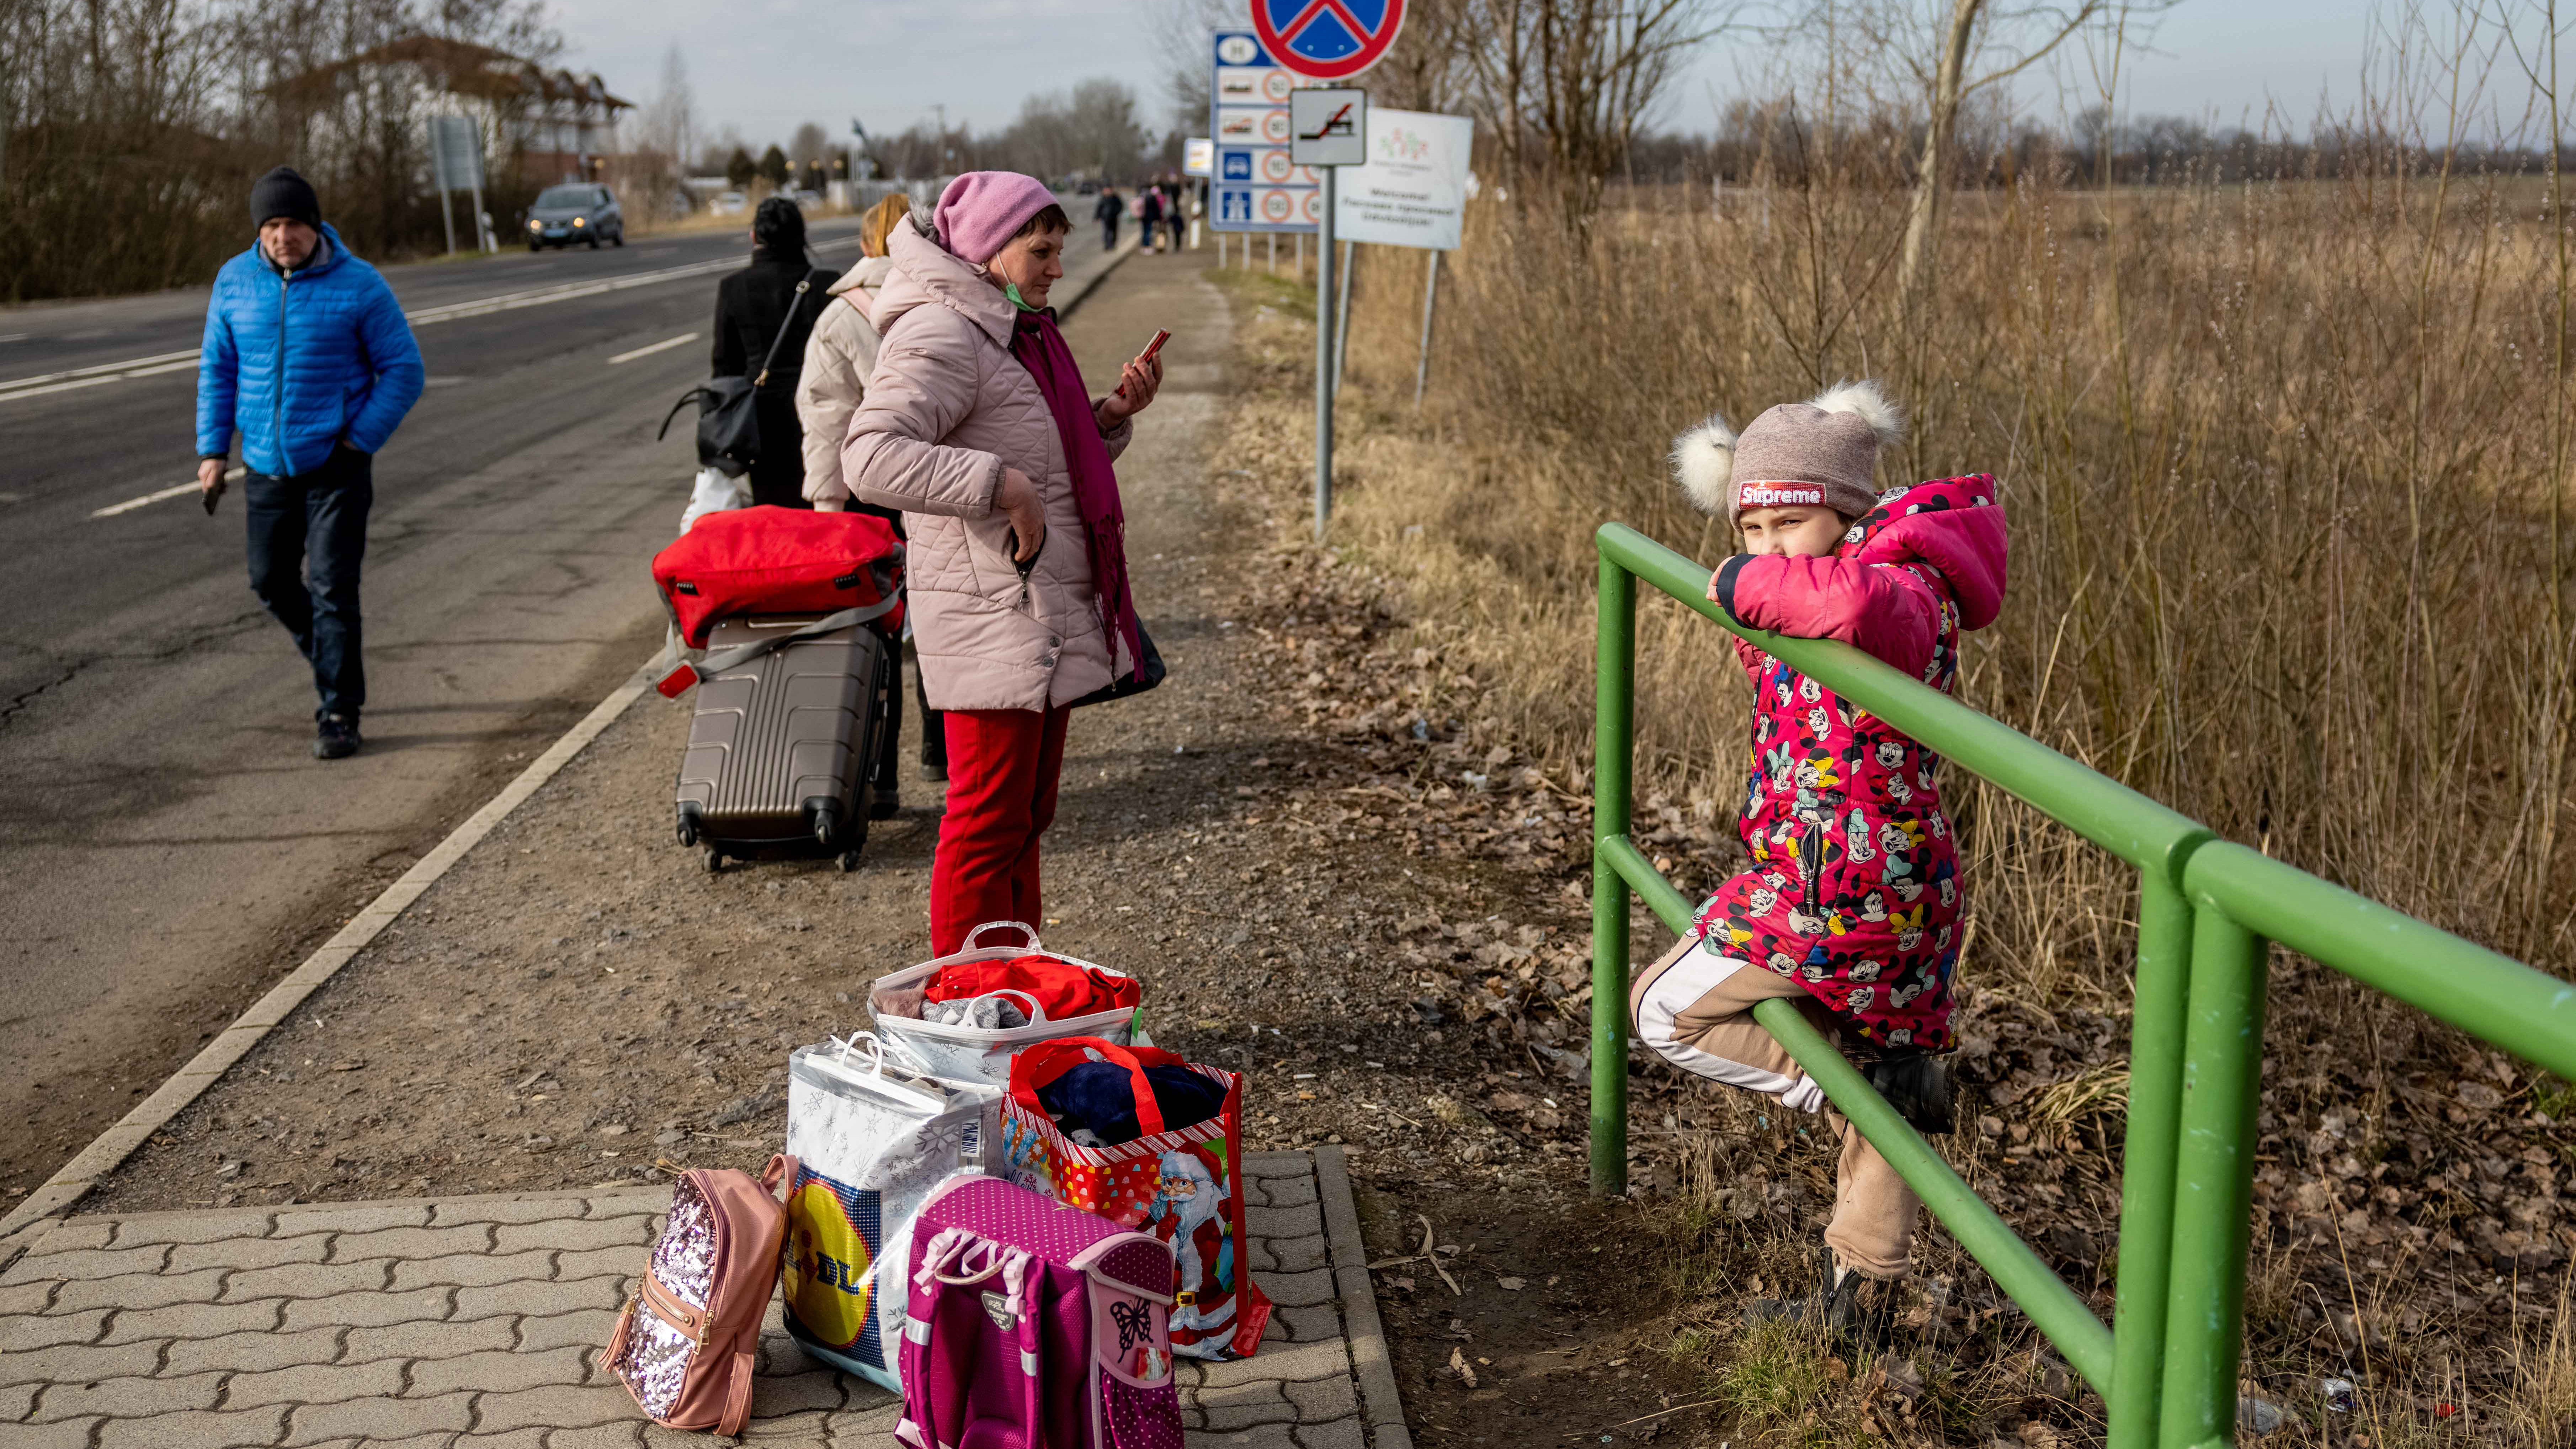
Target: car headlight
x: 536, y: 226
x: 581, y: 221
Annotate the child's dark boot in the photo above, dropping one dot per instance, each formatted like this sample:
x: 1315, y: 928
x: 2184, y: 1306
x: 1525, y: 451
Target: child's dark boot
x: 1919, y: 1087
x: 1855, y: 1311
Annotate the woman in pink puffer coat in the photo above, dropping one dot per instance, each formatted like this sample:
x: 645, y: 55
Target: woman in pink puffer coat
x: 975, y: 424
x: 1852, y: 905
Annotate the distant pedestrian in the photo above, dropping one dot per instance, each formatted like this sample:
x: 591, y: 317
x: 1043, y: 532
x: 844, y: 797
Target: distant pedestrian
x: 838, y: 358
x: 1151, y: 199
x: 752, y: 306
x: 308, y: 358
x: 1172, y: 211
x: 1852, y: 903
x: 977, y: 425
x: 1106, y: 211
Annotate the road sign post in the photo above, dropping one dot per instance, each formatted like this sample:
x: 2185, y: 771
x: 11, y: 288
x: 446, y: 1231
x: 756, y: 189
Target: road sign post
x: 456, y: 164
x: 1328, y: 127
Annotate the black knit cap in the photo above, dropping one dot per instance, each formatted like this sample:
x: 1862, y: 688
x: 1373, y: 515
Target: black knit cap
x: 284, y: 192
x: 779, y: 225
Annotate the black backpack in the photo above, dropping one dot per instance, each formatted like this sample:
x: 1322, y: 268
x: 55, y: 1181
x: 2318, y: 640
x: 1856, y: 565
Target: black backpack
x: 728, y: 424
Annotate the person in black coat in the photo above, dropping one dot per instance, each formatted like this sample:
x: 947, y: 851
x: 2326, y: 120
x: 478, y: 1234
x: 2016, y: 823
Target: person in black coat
x: 751, y: 306
x: 1106, y: 211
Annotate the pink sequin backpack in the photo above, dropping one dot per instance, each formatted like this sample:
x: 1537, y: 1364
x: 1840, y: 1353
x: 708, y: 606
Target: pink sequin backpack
x: 1033, y: 1325
x: 686, y: 1343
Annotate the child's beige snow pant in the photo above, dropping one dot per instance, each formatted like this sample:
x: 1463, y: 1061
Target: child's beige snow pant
x: 1695, y: 1008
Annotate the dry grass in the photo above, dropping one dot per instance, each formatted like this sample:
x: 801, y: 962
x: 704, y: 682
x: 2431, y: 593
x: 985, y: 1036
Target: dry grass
x: 2286, y: 464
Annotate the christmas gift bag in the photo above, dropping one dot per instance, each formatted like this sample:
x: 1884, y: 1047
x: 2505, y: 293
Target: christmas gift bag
x: 1151, y: 1142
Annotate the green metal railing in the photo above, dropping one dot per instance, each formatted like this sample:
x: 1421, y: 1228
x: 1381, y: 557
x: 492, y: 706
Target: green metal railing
x: 2167, y: 1365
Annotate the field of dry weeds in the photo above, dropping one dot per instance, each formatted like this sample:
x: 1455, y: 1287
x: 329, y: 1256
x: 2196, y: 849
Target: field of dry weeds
x: 2286, y: 469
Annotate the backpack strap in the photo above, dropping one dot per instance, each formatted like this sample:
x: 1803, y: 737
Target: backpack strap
x: 784, y: 327
x: 737, y: 1408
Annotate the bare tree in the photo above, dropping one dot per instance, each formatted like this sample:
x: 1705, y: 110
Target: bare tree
x: 1954, y: 50
x: 1566, y: 83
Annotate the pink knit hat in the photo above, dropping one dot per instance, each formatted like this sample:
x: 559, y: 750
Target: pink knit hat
x: 981, y: 211
x: 1821, y: 452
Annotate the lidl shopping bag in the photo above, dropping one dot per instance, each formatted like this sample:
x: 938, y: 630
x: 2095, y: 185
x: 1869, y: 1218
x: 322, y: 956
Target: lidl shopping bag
x: 872, y: 1136
x: 1182, y: 1184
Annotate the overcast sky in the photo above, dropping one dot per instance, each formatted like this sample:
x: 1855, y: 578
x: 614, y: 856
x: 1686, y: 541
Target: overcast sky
x: 766, y: 65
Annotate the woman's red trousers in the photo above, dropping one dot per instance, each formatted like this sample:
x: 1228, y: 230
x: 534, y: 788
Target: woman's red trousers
x: 1002, y: 769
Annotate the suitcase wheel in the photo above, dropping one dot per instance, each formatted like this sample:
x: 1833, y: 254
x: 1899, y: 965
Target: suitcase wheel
x: 715, y: 860
x: 849, y: 861
x: 688, y: 832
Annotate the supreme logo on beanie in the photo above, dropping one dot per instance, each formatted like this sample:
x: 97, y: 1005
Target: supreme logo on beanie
x: 284, y: 192
x: 1822, y: 452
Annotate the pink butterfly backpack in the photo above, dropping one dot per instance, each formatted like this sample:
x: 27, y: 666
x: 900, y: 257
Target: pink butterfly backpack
x: 1033, y: 1325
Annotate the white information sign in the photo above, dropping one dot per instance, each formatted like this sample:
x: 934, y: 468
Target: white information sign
x: 1328, y: 126
x: 1257, y: 186
x: 1198, y: 156
x: 456, y: 153
x: 1412, y: 190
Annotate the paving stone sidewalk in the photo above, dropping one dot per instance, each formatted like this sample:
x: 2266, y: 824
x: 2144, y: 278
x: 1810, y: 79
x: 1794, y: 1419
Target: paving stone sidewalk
x: 444, y: 1323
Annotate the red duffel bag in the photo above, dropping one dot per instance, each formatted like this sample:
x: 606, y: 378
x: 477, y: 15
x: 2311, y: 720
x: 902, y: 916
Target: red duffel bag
x: 771, y: 560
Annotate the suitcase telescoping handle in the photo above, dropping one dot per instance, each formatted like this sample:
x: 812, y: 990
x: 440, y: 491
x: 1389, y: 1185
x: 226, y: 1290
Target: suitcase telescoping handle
x: 679, y: 681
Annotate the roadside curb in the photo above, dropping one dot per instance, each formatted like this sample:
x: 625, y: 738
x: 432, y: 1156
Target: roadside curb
x: 73, y: 1181
x: 1381, y: 1407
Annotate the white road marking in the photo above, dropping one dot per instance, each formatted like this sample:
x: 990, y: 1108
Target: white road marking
x: 43, y: 383
x: 682, y: 340
x: 65, y: 386
x: 17, y: 337
x: 130, y: 504
x: 188, y: 364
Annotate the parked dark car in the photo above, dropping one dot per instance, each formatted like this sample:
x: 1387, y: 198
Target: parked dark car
x: 577, y: 211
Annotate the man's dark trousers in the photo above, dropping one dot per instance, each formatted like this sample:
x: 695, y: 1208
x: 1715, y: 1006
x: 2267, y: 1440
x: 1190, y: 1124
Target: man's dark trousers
x: 313, y: 527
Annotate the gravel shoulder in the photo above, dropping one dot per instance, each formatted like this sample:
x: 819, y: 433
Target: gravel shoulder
x: 579, y: 1002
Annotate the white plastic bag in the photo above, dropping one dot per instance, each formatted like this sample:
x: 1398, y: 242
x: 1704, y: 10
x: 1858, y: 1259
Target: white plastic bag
x: 980, y: 1054
x: 872, y: 1136
x: 715, y: 493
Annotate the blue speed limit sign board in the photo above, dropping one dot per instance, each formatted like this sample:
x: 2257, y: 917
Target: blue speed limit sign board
x: 1327, y: 39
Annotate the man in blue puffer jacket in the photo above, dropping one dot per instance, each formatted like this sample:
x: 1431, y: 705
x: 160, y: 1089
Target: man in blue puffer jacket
x: 308, y: 357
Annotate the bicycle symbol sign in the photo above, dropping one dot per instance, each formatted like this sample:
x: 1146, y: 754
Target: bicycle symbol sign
x: 1327, y: 39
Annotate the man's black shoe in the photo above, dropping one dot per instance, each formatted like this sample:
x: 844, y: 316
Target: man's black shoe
x: 1919, y: 1087
x: 337, y: 738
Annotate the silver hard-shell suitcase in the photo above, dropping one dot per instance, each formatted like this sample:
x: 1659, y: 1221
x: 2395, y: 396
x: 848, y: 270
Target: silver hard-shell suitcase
x: 779, y: 748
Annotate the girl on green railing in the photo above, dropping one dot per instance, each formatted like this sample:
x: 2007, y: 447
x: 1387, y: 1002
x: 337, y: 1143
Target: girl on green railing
x: 1852, y: 904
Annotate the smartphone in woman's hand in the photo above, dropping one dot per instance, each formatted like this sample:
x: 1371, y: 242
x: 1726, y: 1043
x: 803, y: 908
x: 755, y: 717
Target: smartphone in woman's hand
x: 1146, y: 357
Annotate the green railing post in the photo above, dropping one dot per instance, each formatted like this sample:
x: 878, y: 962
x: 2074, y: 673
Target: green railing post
x: 2147, y: 1160
x: 2222, y: 1088
x: 1613, y: 761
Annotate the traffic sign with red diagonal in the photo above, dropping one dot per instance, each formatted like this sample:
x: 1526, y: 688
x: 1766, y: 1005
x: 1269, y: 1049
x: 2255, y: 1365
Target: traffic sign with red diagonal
x: 1327, y: 39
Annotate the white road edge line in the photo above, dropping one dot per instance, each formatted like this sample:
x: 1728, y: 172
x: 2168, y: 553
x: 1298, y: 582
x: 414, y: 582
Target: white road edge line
x: 108, y: 1151
x: 173, y: 491
x: 682, y: 340
x: 506, y: 302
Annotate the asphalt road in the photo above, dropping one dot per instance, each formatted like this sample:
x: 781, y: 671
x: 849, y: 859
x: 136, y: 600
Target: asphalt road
x: 169, y: 847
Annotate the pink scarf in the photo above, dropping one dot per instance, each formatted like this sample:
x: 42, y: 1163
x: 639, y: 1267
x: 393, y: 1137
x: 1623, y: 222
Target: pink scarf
x: 1040, y: 348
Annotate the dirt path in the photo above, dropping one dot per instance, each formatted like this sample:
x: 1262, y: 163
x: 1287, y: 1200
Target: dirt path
x: 580, y: 1002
